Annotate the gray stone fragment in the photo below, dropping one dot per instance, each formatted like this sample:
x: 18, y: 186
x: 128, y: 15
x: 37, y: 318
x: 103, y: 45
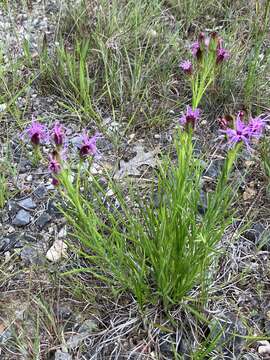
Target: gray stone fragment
x: 31, y: 256
x: 27, y: 203
x: 11, y: 241
x: 60, y: 355
x: 230, y: 332
x: 22, y: 218
x: 41, y: 192
x: 255, y: 232
x: 5, y: 336
x: 43, y: 219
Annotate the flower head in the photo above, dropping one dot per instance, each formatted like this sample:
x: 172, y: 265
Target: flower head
x: 190, y: 117
x: 222, y: 55
x: 55, y: 182
x: 54, y: 165
x: 245, y: 132
x: 54, y: 168
x: 256, y: 126
x: 225, y: 121
x: 241, y: 114
x: 88, y: 145
x: 203, y: 39
x: 186, y: 66
x: 58, y: 134
x: 214, y: 35
x: 196, y: 50
x: 241, y: 133
x: 36, y: 132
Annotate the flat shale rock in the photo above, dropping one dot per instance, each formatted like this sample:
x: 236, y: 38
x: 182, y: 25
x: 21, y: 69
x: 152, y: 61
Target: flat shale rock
x: 27, y: 204
x: 22, y: 218
x: 43, y: 220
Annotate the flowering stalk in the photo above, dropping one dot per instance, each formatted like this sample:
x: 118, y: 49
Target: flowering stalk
x: 209, y: 55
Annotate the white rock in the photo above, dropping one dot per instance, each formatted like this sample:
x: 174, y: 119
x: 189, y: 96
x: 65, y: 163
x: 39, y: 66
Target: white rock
x: 29, y: 178
x: 264, y: 349
x: 62, y: 233
x: 3, y: 107
x: 57, y: 251
x: 109, y: 193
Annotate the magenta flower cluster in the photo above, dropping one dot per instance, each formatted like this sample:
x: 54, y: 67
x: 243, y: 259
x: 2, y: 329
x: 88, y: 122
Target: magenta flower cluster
x: 38, y: 135
x: 87, y: 145
x: 190, y: 117
x: 201, y: 47
x: 234, y: 130
x: 244, y: 132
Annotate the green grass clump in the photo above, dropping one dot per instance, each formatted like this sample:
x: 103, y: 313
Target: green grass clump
x: 4, y: 192
x: 265, y: 159
x: 117, y: 57
x: 254, y: 63
x: 156, y: 251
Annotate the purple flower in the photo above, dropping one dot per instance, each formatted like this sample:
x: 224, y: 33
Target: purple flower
x: 58, y: 134
x: 256, y: 126
x: 241, y: 114
x: 196, y: 50
x: 225, y: 121
x: 207, y: 41
x: 88, y: 145
x: 54, y: 168
x: 54, y: 165
x: 55, y: 182
x: 201, y: 37
x: 204, y: 40
x: 241, y: 133
x: 222, y: 55
x: 186, y: 66
x: 190, y: 117
x: 245, y: 132
x: 36, y: 132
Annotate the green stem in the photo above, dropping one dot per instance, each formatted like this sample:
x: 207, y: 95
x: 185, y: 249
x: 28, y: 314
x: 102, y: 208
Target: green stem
x: 37, y: 155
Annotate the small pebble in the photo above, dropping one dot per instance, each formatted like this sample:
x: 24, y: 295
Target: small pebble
x: 27, y: 203
x: 22, y: 218
x: 31, y: 256
x: 60, y: 355
x: 43, y: 219
x: 29, y: 178
x: 41, y: 192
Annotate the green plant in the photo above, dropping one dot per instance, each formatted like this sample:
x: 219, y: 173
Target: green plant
x: 69, y: 75
x: 4, y: 192
x: 120, y: 58
x: 265, y: 158
x: 209, y: 55
x: 155, y: 251
x: 260, y: 30
x: 7, y: 171
x: 13, y: 85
